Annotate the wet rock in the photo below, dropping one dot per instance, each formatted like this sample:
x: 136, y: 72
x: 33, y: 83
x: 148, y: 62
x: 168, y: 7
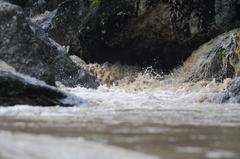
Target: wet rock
x: 154, y: 32
x: 227, y: 14
x: 64, y: 69
x: 20, y: 48
x: 64, y: 28
x: 16, y: 88
x: 71, y: 75
x: 231, y: 94
x: 35, y: 7
x: 25, y: 46
x: 44, y: 20
x: 218, y: 59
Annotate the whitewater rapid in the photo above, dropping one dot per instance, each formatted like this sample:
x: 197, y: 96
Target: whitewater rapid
x: 139, y: 115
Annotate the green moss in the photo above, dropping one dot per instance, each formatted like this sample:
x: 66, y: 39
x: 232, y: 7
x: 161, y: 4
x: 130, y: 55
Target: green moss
x: 120, y: 13
x: 223, y: 54
x: 96, y: 2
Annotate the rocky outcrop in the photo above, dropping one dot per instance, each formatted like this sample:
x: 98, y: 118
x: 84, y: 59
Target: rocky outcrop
x: 227, y: 14
x: 65, y: 70
x: 144, y: 32
x: 25, y: 46
x: 70, y: 12
x: 16, y: 88
x: 35, y: 7
x: 20, y: 48
x: 217, y: 59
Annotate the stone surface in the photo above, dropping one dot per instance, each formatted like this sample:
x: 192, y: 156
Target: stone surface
x: 20, y: 48
x: 27, y: 48
x: 161, y: 33
x: 64, y: 69
x: 231, y: 94
x: 16, y: 88
x: 158, y: 33
x: 35, y: 7
x: 65, y: 25
x: 71, y: 75
x: 217, y: 59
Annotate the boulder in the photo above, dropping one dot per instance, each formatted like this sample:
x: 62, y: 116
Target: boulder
x: 65, y: 70
x: 218, y: 59
x: 231, y: 94
x: 71, y: 75
x: 25, y: 46
x: 20, y: 48
x: 158, y: 33
x: 64, y: 28
x: 16, y: 89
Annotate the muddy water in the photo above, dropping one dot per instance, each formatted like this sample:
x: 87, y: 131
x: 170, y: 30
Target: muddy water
x: 142, y: 118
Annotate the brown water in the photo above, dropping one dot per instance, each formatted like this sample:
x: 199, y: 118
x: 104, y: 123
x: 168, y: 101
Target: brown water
x: 139, y: 116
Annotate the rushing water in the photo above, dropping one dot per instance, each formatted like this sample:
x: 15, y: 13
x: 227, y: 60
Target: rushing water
x: 136, y: 117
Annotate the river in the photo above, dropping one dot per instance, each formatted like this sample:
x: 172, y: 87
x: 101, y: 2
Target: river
x: 141, y: 118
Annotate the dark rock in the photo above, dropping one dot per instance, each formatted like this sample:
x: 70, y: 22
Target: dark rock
x: 65, y: 25
x: 65, y: 71
x: 231, y: 94
x: 227, y: 14
x: 153, y: 32
x: 71, y: 75
x: 35, y: 7
x: 20, y: 48
x: 217, y: 59
x: 26, y: 47
x: 16, y: 88
x: 45, y: 20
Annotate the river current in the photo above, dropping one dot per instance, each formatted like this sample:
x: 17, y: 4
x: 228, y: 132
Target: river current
x: 133, y: 114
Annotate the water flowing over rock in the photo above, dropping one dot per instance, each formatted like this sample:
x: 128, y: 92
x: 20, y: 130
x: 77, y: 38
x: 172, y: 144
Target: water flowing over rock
x: 231, y: 94
x: 149, y: 33
x: 217, y: 59
x: 16, y: 88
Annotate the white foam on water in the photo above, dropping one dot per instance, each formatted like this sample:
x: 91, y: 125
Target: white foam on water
x: 143, y: 103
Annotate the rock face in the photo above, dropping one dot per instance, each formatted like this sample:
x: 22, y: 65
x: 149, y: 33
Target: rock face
x: 34, y: 7
x: 145, y: 32
x: 16, y: 88
x: 231, y: 94
x: 65, y: 70
x: 227, y: 14
x: 20, y: 48
x: 26, y: 47
x: 65, y: 25
x: 71, y: 75
x: 217, y: 59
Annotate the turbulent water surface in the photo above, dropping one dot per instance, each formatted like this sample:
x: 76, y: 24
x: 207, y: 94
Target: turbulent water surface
x: 141, y: 118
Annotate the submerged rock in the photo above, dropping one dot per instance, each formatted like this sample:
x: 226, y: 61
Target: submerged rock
x: 16, y: 89
x: 218, y: 59
x: 231, y: 94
